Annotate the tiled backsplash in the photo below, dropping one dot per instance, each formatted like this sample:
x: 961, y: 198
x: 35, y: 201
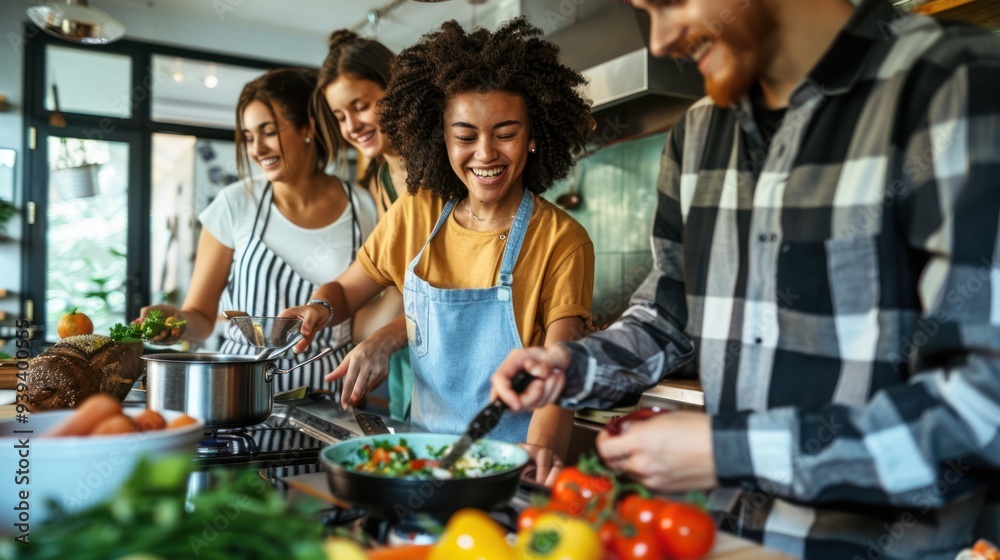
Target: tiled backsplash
x: 618, y: 187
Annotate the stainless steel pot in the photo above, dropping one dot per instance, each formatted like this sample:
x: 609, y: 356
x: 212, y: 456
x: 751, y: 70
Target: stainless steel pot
x: 222, y: 390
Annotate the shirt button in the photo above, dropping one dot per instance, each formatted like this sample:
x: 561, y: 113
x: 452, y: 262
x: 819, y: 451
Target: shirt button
x: 774, y: 237
x: 785, y: 248
x: 763, y: 237
x: 758, y: 340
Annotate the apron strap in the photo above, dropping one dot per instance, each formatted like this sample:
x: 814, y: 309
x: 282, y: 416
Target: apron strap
x: 515, y: 238
x: 441, y: 220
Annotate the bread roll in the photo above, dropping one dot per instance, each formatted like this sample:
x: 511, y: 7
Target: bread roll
x: 79, y: 366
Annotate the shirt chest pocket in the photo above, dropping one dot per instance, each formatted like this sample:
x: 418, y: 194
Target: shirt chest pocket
x: 416, y: 310
x: 831, y: 277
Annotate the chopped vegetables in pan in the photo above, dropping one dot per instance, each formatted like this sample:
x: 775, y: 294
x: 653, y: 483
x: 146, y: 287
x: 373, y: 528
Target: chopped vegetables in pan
x: 398, y: 459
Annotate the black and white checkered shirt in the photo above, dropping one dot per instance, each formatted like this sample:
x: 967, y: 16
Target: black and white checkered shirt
x: 838, y: 293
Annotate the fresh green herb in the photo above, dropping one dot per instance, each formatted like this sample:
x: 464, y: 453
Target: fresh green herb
x: 5, y: 356
x: 152, y: 325
x: 240, y: 517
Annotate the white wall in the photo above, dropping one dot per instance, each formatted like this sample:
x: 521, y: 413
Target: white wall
x: 142, y: 24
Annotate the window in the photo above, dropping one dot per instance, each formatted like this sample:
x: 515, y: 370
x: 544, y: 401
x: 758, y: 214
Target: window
x: 117, y: 190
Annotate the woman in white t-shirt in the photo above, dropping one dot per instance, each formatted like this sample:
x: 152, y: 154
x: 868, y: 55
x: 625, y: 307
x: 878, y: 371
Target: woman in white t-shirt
x: 270, y: 241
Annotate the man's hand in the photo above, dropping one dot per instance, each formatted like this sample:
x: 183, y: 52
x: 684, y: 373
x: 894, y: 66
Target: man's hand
x: 548, y: 364
x: 670, y: 452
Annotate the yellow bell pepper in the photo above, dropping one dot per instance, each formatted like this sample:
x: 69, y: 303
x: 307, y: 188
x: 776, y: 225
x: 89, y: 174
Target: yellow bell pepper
x: 558, y: 537
x: 337, y: 548
x: 472, y: 535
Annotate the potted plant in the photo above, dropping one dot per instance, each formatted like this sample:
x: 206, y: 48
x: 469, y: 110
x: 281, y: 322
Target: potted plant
x: 72, y: 175
x: 7, y: 212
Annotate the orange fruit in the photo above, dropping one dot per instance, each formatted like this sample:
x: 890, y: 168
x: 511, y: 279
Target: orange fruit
x: 73, y: 323
x: 182, y: 420
x: 149, y: 420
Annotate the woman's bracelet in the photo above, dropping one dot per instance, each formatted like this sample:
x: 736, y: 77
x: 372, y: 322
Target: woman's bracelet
x: 326, y: 305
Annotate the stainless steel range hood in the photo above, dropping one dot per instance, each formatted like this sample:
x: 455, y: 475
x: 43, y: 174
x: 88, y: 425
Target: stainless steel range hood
x: 633, y: 92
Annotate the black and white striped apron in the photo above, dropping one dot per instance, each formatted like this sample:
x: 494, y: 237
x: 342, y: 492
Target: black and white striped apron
x: 262, y: 284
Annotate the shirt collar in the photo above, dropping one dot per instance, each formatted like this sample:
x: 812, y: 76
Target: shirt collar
x: 844, y: 62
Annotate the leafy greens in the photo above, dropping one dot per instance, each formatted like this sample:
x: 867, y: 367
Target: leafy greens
x: 147, y: 329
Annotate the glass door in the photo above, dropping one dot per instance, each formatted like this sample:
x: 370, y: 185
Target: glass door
x: 86, y: 233
x: 109, y: 129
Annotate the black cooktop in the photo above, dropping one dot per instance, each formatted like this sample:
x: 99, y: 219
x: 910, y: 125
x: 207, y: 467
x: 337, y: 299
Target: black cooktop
x: 290, y: 437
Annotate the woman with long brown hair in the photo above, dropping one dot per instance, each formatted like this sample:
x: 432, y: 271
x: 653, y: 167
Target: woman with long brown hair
x: 351, y: 82
x: 268, y: 241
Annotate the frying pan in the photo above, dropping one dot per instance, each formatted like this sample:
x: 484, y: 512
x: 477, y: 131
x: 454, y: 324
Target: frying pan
x: 396, y: 498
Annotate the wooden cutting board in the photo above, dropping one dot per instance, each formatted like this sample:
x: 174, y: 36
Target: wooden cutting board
x: 728, y: 547
x: 8, y: 373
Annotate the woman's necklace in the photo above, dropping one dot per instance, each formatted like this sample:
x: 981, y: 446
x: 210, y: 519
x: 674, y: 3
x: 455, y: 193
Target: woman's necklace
x: 478, y: 219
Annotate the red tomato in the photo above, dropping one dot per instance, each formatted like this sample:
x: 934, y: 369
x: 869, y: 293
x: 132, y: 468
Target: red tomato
x: 528, y: 517
x: 579, y: 509
x: 638, y: 543
x: 685, y: 532
x: 574, y: 486
x: 640, y: 511
x: 418, y: 464
x: 607, y: 534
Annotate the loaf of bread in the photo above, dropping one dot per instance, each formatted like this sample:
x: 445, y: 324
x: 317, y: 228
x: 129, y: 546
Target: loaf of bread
x: 79, y: 366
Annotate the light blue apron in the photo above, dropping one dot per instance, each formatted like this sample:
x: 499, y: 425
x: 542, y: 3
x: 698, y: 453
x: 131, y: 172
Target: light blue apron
x: 457, y: 339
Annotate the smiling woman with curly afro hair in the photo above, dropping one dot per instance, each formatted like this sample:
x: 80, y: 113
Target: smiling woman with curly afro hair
x: 483, y: 122
x: 514, y: 59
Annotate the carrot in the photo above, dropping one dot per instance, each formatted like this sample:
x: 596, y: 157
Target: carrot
x: 404, y: 552
x: 91, y: 412
x: 149, y: 420
x: 380, y: 455
x: 120, y: 424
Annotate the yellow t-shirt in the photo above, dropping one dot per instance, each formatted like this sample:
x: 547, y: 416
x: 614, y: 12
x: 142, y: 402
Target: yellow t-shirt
x: 553, y: 277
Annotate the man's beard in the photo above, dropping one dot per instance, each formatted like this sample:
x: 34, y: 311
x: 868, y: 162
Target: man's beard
x: 743, y: 46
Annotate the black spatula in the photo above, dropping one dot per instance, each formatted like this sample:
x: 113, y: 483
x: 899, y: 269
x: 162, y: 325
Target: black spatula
x: 484, y: 422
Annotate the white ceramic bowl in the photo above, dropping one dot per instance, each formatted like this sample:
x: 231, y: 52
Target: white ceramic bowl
x: 77, y: 472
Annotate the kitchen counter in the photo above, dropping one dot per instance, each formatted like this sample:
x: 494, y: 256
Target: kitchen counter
x: 675, y: 393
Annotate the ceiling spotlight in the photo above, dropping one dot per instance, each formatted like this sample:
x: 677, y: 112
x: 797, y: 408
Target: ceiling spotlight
x: 76, y: 21
x: 211, y: 81
x: 178, y: 77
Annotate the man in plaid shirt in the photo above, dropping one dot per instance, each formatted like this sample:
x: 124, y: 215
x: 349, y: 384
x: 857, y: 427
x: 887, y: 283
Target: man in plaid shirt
x: 826, y: 259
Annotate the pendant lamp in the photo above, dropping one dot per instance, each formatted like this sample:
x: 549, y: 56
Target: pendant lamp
x: 76, y: 21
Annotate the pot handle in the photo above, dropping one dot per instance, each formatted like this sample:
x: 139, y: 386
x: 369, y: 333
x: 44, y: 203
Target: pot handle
x: 273, y: 369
